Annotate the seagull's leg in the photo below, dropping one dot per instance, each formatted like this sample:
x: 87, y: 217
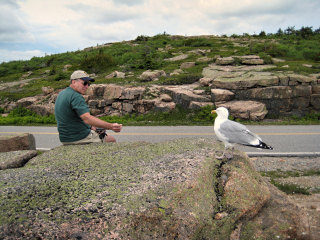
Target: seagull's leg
x: 228, y: 155
x: 223, y: 154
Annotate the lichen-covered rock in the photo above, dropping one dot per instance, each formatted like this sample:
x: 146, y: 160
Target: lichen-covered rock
x: 177, y: 58
x: 251, y: 60
x: 42, y: 110
x: 16, y: 159
x: 246, y: 80
x: 112, y: 91
x: 96, y: 90
x: 25, y: 102
x: 315, y: 101
x: 169, y: 190
x: 220, y: 95
x: 225, y: 60
x: 23, y: 141
x: 132, y: 93
x: 47, y: 90
x: 187, y: 65
x: 185, y: 96
x: 151, y: 75
x: 198, y: 105
x: 250, y: 110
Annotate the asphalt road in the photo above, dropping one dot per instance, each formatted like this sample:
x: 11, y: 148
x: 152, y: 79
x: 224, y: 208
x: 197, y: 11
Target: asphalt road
x: 286, y: 140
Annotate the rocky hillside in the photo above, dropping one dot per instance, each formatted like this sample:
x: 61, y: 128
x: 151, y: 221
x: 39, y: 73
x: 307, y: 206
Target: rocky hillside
x: 248, y: 89
x: 171, y: 190
x: 188, y: 71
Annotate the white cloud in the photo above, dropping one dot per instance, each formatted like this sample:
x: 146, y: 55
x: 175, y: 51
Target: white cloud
x: 6, y: 55
x: 12, y: 27
x: 59, y: 25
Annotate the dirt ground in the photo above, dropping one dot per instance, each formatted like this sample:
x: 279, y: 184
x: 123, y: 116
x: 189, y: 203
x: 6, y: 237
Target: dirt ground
x: 308, y: 203
x: 311, y: 204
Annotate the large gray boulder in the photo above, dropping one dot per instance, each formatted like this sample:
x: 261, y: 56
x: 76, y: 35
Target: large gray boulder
x: 246, y: 80
x: 249, y: 110
x: 16, y: 159
x: 177, y: 58
x: 25, y: 102
x: 184, y: 96
x: 42, y: 109
x: 315, y: 101
x: 151, y: 75
x: 251, y: 60
x: 221, y: 95
x: 132, y: 93
x: 169, y: 190
x: 23, y: 141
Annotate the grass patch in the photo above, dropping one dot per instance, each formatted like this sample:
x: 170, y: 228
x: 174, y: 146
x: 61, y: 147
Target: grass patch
x: 22, y: 116
x: 286, y: 174
x: 290, y: 188
x: 179, y: 116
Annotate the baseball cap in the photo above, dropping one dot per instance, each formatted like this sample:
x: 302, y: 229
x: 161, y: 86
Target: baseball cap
x: 79, y: 74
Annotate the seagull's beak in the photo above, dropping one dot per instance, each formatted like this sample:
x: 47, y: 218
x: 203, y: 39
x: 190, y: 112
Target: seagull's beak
x: 213, y: 112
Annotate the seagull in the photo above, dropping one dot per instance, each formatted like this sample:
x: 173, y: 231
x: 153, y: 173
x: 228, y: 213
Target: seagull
x: 230, y: 133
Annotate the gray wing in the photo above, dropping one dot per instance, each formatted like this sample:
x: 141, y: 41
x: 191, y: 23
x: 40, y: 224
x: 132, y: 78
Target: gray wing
x: 237, y: 133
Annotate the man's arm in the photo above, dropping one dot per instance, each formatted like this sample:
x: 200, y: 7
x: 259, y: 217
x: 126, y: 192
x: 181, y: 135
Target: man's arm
x: 96, y: 122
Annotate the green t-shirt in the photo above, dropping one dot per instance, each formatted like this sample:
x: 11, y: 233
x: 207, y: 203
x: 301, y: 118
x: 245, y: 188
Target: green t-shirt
x: 69, y: 106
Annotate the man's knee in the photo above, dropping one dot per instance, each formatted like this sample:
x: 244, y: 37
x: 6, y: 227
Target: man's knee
x: 109, y: 138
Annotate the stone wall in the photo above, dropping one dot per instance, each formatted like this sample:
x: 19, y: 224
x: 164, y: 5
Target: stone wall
x: 282, y: 93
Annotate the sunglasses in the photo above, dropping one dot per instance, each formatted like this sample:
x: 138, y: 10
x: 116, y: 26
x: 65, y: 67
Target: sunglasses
x: 85, y: 83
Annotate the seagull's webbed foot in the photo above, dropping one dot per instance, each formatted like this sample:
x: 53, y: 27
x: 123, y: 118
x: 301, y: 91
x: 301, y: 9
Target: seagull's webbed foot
x: 226, y: 155
x: 220, y: 157
x: 229, y: 156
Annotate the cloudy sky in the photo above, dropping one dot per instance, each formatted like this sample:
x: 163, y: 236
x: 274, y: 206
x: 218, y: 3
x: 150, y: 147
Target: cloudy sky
x: 37, y: 27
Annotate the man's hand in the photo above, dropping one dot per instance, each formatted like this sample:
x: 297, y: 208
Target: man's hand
x: 98, y: 123
x: 116, y: 127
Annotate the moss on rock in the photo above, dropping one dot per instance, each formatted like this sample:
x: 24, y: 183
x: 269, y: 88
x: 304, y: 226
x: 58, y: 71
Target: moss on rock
x: 169, y: 190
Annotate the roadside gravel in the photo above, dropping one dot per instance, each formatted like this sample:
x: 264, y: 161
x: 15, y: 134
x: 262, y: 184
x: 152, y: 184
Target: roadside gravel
x: 266, y: 164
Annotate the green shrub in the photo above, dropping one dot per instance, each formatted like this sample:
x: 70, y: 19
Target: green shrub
x: 182, y: 79
x: 270, y: 48
x: 53, y: 71
x: 313, y: 55
x: 149, y: 58
x: 145, y: 57
x: 266, y: 58
x: 49, y: 62
x: 23, y: 116
x: 60, y: 76
x: 197, y: 42
x: 142, y: 38
x: 21, y: 112
x: 204, y: 114
x: 97, y: 63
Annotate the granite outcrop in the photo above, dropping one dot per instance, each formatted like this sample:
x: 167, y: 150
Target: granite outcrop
x: 244, y: 84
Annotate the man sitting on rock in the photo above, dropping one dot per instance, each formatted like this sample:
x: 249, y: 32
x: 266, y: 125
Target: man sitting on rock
x: 75, y: 123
